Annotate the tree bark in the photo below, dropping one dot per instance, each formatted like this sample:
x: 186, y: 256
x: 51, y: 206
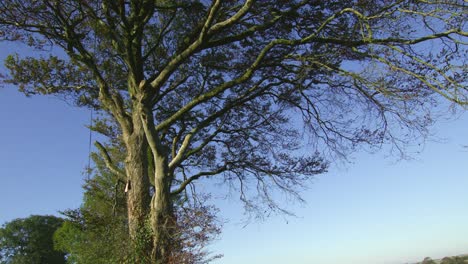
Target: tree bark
x: 162, y: 215
x: 152, y: 243
x: 138, y: 194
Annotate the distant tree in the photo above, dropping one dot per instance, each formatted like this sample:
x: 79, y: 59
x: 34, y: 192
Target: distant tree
x: 446, y: 260
x: 255, y: 92
x: 454, y: 260
x: 428, y: 260
x: 30, y: 241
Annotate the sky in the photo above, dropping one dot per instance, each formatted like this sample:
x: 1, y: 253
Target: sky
x: 373, y: 209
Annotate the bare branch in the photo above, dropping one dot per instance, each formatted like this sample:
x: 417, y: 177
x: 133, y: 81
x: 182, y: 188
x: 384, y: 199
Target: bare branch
x: 108, y: 161
x: 192, y: 178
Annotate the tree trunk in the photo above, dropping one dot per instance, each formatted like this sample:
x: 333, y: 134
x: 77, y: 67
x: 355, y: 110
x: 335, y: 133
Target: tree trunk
x: 162, y: 217
x: 138, y: 196
x: 154, y: 241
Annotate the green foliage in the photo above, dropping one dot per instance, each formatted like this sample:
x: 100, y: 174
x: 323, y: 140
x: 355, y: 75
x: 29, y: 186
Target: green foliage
x: 96, y: 233
x: 92, y: 243
x: 447, y: 260
x: 53, y: 70
x: 455, y: 260
x: 30, y: 240
x: 428, y: 260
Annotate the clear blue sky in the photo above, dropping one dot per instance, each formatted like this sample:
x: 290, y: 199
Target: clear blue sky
x: 371, y: 211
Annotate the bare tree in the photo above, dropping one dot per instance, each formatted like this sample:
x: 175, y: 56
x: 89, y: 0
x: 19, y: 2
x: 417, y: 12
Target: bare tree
x: 225, y: 88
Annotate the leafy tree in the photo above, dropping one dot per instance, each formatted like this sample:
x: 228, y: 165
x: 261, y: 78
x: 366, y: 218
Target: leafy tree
x: 428, y: 260
x: 224, y: 88
x: 454, y: 260
x: 29, y: 240
x: 97, y: 231
x: 447, y: 260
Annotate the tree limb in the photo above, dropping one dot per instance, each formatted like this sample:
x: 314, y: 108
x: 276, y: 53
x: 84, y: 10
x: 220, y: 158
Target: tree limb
x: 108, y: 161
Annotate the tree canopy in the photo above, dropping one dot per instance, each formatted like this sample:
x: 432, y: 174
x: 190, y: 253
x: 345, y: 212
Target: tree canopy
x: 255, y: 92
x: 30, y: 240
